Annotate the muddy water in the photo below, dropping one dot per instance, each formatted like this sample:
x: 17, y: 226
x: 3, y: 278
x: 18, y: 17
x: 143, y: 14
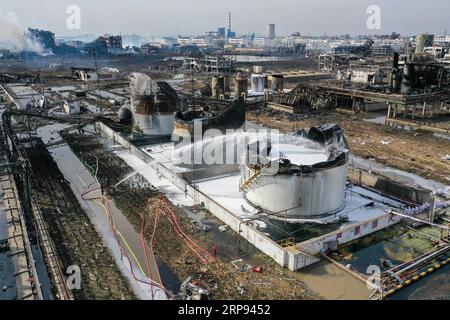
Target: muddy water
x: 7, y: 280
x: 399, y: 245
x: 394, y: 244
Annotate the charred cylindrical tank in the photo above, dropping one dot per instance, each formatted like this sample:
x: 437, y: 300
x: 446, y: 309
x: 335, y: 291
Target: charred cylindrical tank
x: 258, y: 82
x: 227, y: 83
x: 408, y: 79
x: 217, y: 86
x: 124, y: 114
x: 153, y: 105
x: 241, y: 84
x: 276, y: 82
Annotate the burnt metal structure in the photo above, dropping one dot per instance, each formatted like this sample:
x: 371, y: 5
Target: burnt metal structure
x: 306, y: 97
x: 34, y: 231
x: 210, y: 114
x: 208, y: 64
x: 153, y: 104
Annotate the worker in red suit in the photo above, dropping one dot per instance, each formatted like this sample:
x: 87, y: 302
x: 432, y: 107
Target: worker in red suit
x: 214, y: 250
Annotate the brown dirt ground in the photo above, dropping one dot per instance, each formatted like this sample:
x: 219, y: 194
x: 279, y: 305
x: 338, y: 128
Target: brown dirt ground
x: 417, y: 153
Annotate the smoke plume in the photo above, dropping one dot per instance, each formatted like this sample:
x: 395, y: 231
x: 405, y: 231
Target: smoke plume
x: 13, y: 36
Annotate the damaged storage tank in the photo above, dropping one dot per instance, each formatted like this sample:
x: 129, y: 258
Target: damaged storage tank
x: 258, y: 82
x: 124, y: 114
x: 302, y: 177
x: 276, y: 82
x: 217, y: 86
x: 241, y: 85
x: 153, y: 105
x: 218, y: 114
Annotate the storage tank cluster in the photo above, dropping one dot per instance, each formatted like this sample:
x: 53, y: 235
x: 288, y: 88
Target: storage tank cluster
x: 260, y: 81
x: 302, y: 177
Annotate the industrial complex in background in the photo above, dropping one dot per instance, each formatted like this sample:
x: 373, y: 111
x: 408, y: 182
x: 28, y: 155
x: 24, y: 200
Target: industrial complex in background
x: 332, y: 156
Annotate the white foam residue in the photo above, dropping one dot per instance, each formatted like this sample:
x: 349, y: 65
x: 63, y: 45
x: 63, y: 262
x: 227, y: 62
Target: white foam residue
x: 151, y: 175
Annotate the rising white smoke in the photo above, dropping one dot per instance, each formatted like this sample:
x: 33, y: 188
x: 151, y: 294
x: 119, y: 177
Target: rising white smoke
x: 142, y: 84
x: 13, y: 36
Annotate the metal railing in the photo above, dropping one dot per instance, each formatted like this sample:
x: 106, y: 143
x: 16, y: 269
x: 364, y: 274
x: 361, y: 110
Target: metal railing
x: 286, y: 243
x: 248, y: 177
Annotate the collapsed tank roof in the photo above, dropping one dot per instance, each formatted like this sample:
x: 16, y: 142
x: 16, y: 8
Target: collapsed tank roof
x: 309, y: 150
x: 219, y: 115
x: 332, y: 142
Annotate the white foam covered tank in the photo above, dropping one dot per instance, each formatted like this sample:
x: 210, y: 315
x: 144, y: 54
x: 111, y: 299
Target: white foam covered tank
x: 302, y: 177
x: 301, y: 196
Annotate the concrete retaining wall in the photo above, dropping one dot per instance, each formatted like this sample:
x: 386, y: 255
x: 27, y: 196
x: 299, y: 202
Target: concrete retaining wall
x: 391, y: 187
x: 345, y: 235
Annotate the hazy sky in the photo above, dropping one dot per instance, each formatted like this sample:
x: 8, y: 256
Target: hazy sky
x: 171, y: 17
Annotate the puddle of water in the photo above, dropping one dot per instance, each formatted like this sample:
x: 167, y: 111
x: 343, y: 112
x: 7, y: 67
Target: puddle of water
x: 397, y: 245
x: 42, y: 272
x: 377, y: 120
x: 7, y: 278
x: 394, y: 244
x: 168, y: 277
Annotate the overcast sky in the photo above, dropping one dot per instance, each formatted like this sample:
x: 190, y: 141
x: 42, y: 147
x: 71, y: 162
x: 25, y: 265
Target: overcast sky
x: 189, y: 17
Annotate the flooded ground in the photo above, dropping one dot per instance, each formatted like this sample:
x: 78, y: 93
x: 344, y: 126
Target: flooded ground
x: 434, y: 287
x: 396, y: 244
x: 399, y: 244
x: 333, y: 283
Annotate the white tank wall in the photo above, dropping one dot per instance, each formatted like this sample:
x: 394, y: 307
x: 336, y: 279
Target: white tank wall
x: 153, y: 124
x: 315, y: 194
